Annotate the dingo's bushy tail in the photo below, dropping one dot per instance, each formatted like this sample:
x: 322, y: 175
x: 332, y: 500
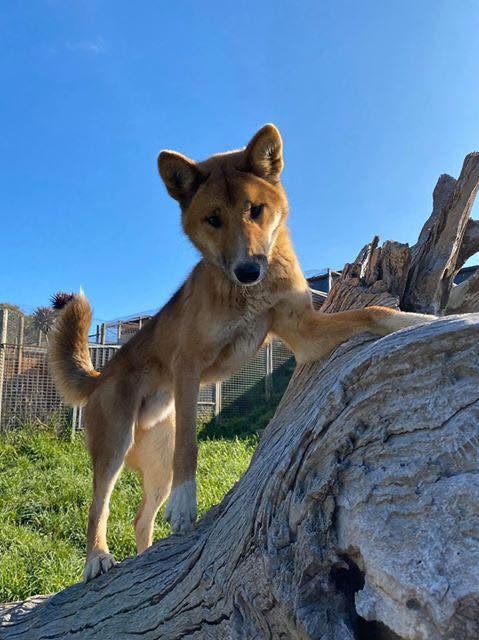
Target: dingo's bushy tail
x: 68, y: 354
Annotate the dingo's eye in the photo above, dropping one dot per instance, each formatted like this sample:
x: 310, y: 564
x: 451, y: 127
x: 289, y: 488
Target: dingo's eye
x: 214, y: 220
x: 256, y: 211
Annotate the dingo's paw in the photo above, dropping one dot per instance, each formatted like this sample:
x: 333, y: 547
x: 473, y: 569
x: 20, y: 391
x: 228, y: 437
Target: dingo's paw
x: 96, y: 565
x: 181, y: 508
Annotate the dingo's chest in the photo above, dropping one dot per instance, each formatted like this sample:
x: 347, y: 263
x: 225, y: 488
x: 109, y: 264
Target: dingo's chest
x: 237, y: 342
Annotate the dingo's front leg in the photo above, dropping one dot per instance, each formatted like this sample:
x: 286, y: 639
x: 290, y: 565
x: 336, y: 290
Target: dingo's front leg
x: 312, y: 335
x: 181, y: 508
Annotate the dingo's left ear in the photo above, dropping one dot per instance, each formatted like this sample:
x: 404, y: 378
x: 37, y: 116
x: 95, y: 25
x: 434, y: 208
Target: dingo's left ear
x: 264, y: 153
x: 180, y: 175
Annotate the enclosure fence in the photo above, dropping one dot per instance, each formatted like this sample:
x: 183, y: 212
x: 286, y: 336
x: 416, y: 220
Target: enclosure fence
x: 28, y: 394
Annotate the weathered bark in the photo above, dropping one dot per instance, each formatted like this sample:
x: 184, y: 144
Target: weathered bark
x: 358, y: 515
x: 435, y: 257
x: 376, y: 277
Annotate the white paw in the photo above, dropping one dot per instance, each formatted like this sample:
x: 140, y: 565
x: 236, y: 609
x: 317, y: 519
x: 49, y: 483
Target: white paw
x: 404, y: 320
x: 420, y: 318
x: 97, y: 565
x: 181, y: 508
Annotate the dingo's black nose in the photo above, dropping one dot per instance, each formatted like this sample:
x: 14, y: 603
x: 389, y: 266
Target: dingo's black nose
x: 247, y: 272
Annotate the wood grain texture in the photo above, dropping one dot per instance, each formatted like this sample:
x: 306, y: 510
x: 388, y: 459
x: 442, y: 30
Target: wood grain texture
x: 376, y: 277
x: 358, y: 517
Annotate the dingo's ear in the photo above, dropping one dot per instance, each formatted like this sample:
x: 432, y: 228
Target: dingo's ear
x: 264, y: 153
x: 180, y: 175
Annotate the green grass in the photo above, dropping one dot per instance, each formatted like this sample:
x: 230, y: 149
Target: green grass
x: 45, y: 489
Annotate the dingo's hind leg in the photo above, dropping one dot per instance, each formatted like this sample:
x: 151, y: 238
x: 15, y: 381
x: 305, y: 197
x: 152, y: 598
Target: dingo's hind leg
x: 152, y: 456
x: 109, y: 439
x: 105, y: 474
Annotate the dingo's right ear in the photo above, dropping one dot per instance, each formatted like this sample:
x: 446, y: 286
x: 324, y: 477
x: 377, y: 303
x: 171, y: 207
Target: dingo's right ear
x: 180, y: 175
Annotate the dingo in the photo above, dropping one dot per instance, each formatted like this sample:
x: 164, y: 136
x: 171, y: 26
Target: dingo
x: 141, y: 409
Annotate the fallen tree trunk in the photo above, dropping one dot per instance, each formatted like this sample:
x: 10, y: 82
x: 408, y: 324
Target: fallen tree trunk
x: 358, y: 517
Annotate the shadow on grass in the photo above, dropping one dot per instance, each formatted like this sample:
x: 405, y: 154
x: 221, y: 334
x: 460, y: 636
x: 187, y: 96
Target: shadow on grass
x: 249, y: 414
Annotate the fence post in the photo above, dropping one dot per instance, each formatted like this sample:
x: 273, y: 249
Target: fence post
x: 268, y: 380
x: 21, y: 331
x: 77, y: 418
x: 74, y: 420
x: 3, y: 343
x: 218, y: 398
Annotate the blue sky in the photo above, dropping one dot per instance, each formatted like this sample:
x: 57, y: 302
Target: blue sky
x: 374, y: 101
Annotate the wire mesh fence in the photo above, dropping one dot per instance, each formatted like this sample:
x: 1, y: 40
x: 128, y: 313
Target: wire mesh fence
x: 28, y: 394
x: 27, y: 390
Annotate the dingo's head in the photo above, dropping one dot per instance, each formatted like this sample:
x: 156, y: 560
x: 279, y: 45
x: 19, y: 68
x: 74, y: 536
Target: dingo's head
x: 233, y: 204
